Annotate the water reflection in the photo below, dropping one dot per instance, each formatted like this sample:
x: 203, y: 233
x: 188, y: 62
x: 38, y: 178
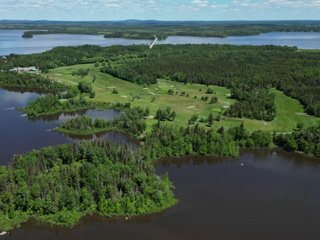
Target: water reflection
x: 195, y: 160
x: 22, y: 134
x: 219, y: 199
x: 296, y: 160
x: 264, y: 194
x: 113, y: 136
x: 64, y: 116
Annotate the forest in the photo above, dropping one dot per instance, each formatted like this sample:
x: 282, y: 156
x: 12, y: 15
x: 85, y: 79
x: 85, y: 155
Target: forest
x: 248, y: 71
x: 14, y: 79
x: 58, y: 185
x: 306, y: 140
x: 50, y: 104
x: 169, y: 140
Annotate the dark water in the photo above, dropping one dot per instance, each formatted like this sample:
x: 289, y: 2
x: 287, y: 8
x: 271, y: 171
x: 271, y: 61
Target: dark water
x: 274, y: 195
x: 12, y: 42
x: 20, y: 134
x: 265, y: 194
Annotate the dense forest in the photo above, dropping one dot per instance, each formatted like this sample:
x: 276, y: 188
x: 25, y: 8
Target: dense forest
x: 14, y: 79
x: 135, y: 29
x: 50, y: 104
x: 130, y: 121
x: 168, y: 140
x: 248, y: 71
x: 306, y: 140
x: 58, y: 185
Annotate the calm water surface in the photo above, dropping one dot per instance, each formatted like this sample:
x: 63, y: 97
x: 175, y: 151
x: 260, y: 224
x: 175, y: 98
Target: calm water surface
x: 20, y: 134
x: 275, y: 195
x: 12, y: 42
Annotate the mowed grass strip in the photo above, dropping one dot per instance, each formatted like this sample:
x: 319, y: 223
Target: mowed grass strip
x: 289, y: 111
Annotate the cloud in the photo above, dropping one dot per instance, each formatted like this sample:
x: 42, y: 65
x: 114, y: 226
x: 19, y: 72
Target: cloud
x: 159, y: 9
x: 200, y: 3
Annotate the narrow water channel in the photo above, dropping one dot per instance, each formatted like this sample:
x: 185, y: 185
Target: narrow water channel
x: 20, y: 134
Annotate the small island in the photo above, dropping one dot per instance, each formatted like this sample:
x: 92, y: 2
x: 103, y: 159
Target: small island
x: 27, y: 35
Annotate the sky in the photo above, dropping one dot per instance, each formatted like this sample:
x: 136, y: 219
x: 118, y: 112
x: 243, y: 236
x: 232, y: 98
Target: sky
x: 209, y: 10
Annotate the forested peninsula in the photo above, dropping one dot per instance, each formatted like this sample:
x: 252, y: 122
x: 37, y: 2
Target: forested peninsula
x: 58, y: 185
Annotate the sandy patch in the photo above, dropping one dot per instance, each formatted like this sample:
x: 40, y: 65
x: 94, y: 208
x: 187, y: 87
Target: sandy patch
x: 57, y: 74
x: 191, y: 107
x: 228, y: 95
x: 151, y: 117
x: 302, y: 114
x: 226, y: 106
x: 145, y: 88
x: 153, y: 93
x: 71, y: 82
x: 264, y: 123
x: 124, y: 96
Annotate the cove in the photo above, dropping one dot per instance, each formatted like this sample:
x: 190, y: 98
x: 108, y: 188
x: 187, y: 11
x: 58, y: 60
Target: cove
x: 20, y: 134
x: 274, y: 195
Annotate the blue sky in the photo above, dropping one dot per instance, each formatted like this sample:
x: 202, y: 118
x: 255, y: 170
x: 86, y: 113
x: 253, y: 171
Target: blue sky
x: 93, y: 10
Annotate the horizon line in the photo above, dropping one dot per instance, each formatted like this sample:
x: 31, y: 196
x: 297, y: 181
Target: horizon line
x: 145, y: 20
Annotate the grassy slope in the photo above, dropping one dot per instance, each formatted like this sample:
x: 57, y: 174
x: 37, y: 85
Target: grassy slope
x: 289, y: 111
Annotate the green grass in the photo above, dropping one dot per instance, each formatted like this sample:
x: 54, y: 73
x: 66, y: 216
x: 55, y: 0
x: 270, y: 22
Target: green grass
x: 289, y: 114
x: 289, y: 111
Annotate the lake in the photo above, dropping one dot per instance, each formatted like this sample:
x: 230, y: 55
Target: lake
x: 12, y: 42
x: 20, y: 134
x: 274, y: 195
x: 265, y: 194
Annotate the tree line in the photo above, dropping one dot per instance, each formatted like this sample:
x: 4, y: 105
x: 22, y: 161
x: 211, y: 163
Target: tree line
x: 51, y: 103
x: 13, y: 79
x: 306, y: 140
x: 60, y: 184
x: 131, y: 121
x: 146, y: 29
x: 248, y: 71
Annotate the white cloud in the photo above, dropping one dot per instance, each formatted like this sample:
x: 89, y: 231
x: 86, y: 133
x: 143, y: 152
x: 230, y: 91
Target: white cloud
x: 155, y: 9
x: 200, y: 3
